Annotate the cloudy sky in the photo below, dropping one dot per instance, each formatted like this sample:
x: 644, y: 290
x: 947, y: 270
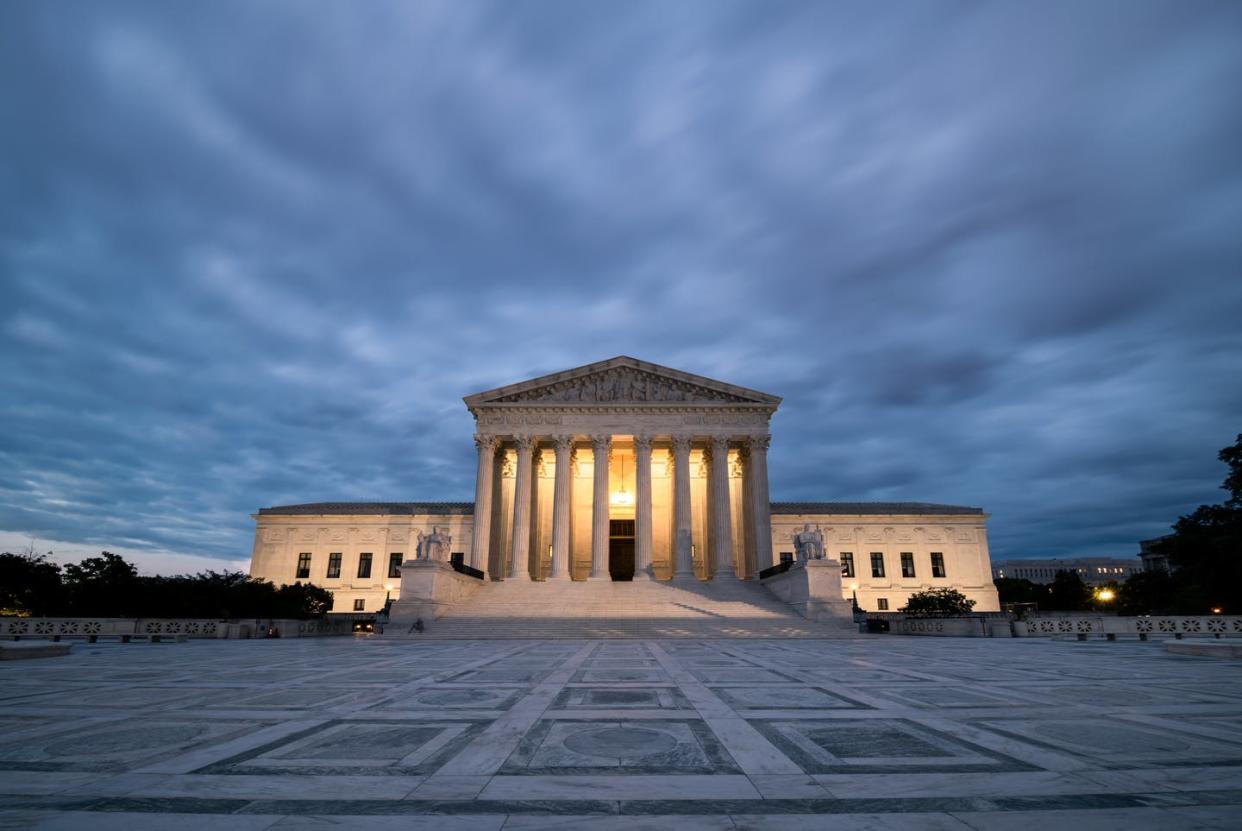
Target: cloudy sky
x: 254, y: 254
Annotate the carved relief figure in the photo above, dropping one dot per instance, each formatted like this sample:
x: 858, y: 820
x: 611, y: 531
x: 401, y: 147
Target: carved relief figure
x: 620, y: 385
x: 809, y: 544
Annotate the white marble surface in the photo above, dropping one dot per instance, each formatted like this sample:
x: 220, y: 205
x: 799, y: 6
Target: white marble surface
x: 876, y: 733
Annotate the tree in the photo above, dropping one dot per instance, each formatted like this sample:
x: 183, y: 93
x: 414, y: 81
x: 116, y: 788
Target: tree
x: 1068, y: 593
x: 1020, y: 590
x: 938, y: 603
x: 1205, y: 548
x: 1145, y: 593
x: 29, y: 584
x: 103, y: 585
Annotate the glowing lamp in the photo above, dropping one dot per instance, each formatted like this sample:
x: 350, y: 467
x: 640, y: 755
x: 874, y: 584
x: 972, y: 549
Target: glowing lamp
x: 622, y: 497
x: 1106, y: 594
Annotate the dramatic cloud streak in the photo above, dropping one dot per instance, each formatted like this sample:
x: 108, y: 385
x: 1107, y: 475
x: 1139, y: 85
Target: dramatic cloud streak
x: 253, y: 255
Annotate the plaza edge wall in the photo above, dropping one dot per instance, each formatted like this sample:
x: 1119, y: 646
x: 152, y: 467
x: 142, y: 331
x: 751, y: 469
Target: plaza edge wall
x: 962, y: 539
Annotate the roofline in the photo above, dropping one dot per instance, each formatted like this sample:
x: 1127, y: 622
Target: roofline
x: 479, y: 398
x: 324, y: 509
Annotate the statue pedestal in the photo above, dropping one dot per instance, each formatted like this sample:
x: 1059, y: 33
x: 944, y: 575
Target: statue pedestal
x: 813, y: 588
x: 429, y: 588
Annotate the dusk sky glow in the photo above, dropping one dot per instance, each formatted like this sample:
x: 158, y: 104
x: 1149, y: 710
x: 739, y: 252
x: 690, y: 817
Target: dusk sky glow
x: 254, y: 254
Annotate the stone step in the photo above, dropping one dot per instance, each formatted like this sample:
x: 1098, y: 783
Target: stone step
x: 521, y: 609
x: 467, y: 629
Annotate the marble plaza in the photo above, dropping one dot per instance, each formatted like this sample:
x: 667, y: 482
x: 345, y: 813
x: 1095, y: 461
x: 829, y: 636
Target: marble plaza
x: 878, y: 732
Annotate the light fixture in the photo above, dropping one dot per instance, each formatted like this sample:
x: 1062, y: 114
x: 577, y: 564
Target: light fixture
x: 1105, y: 595
x: 622, y: 497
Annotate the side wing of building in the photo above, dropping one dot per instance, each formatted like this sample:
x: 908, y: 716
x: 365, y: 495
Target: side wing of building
x: 353, y: 549
x: 890, y: 550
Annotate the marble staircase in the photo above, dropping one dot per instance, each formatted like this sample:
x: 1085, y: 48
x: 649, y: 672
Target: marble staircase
x: 515, y: 609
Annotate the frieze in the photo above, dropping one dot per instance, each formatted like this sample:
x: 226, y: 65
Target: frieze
x: 711, y: 419
x: 520, y: 420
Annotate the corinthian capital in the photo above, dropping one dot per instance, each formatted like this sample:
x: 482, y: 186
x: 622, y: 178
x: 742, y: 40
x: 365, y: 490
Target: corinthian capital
x: 525, y: 444
x: 642, y: 444
x: 601, y: 444
x: 759, y: 444
x: 483, y: 441
x: 563, y: 443
x: 681, y: 445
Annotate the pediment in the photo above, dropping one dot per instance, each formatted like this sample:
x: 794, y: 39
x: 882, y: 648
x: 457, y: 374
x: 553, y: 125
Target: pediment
x: 621, y: 381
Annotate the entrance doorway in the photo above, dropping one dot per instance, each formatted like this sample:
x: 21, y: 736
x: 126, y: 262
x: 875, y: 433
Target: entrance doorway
x: 621, y: 549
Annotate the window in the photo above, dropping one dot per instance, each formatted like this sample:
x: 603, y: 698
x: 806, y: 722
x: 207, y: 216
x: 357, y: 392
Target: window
x: 877, y: 564
x: 334, y: 565
x: 937, y: 564
x: 847, y: 563
x: 394, y: 564
x: 907, y: 564
x: 621, y: 528
x: 303, y: 572
x: 364, y: 564
x: 881, y: 603
x: 360, y: 605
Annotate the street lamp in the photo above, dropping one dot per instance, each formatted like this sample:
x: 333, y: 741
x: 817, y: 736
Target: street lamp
x: 1105, y: 595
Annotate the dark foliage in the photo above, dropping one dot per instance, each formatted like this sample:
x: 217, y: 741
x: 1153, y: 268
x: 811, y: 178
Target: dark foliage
x: 938, y: 603
x: 109, y: 586
x: 1146, y: 593
x: 1205, y: 548
x: 1020, y: 590
x: 29, y: 584
x: 1067, y: 593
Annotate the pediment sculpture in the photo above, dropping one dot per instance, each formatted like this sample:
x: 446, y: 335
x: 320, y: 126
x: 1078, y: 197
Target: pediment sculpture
x: 621, y: 385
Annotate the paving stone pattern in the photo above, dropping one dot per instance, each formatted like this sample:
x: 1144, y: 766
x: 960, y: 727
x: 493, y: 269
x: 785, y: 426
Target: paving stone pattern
x: 880, y: 732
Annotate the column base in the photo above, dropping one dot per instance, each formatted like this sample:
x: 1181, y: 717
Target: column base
x: 642, y: 576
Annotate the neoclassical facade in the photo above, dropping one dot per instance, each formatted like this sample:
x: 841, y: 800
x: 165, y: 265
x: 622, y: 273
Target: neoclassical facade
x: 626, y: 471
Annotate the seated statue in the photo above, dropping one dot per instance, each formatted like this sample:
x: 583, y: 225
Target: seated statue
x: 433, y: 546
x: 809, y: 544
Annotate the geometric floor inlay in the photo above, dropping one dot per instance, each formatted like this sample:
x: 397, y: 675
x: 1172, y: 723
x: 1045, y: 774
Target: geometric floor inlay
x: 896, y: 732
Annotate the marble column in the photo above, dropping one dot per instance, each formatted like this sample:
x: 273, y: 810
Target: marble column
x: 683, y: 566
x: 760, y: 501
x: 534, y: 559
x: 562, y: 488
x: 600, y: 449
x: 480, y: 543
x: 747, y: 562
x: 722, y: 516
x: 519, y: 547
x: 642, y: 508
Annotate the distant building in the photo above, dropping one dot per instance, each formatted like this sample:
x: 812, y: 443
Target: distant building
x: 1152, y: 559
x: 1094, y: 571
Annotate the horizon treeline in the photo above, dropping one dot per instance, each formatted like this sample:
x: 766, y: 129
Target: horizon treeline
x: 110, y: 586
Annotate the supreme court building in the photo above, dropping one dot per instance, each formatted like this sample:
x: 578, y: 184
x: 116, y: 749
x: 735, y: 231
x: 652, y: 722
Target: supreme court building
x: 624, y: 470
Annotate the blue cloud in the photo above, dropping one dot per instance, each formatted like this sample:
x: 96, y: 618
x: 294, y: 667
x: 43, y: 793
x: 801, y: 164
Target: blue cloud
x: 253, y: 255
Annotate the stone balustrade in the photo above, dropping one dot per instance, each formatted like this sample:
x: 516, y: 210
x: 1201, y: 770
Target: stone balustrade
x: 1080, y: 625
x: 104, y: 627
x: 1162, y: 626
